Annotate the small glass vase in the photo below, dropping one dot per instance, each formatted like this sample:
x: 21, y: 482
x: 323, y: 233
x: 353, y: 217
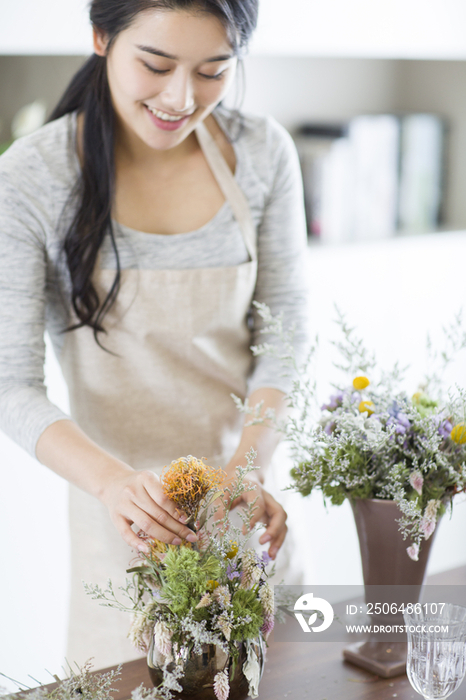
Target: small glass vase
x: 199, y: 670
x: 436, y: 649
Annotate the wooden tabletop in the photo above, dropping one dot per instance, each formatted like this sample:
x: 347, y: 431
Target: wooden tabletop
x: 301, y: 671
x: 304, y: 671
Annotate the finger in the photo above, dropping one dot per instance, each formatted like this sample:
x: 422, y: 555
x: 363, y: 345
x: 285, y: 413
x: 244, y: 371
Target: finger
x: 276, y: 519
x: 277, y: 543
x: 149, y: 497
x: 152, y: 527
x: 156, y: 519
x: 151, y: 483
x: 129, y: 536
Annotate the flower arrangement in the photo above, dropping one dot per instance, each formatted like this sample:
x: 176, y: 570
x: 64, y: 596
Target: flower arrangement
x: 84, y: 683
x: 212, y: 592
x: 371, y: 439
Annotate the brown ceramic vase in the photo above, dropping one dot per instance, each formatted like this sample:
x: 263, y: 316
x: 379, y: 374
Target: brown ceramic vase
x: 385, y: 562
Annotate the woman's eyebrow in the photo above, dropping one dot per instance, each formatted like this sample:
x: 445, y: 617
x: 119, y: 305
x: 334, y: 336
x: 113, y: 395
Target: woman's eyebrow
x: 158, y: 52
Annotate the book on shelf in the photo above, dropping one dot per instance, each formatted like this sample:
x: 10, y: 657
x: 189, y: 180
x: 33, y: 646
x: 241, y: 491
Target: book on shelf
x: 374, y: 177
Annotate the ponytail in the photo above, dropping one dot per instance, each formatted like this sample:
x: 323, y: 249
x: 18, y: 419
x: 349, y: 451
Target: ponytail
x: 89, y: 93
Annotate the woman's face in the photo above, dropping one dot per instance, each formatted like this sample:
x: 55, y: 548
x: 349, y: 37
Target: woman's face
x: 167, y: 72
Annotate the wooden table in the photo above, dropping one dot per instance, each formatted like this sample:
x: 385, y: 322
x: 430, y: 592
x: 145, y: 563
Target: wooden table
x: 301, y: 671
x: 304, y: 671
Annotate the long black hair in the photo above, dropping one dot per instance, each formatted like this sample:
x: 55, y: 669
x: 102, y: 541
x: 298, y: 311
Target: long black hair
x: 88, y: 93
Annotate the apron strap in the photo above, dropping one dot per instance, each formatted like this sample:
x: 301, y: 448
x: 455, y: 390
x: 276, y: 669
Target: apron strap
x: 229, y: 186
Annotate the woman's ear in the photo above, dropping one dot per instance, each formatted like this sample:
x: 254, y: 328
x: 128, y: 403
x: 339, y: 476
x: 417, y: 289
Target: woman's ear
x: 100, y: 41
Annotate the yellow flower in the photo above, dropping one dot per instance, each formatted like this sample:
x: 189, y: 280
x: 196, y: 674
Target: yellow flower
x: 367, y: 406
x: 417, y: 396
x: 458, y: 434
x: 212, y: 585
x: 233, y: 551
x: 360, y: 383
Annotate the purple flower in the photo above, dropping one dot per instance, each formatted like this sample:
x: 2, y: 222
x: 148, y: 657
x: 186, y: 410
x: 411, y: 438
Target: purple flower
x: 401, y: 422
x: 335, y: 402
x: 329, y: 428
x: 266, y: 558
x: 445, y: 428
x: 232, y: 573
x: 403, y: 419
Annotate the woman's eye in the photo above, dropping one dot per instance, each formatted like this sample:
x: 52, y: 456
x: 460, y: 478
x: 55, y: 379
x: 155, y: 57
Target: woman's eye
x: 155, y: 70
x: 218, y: 76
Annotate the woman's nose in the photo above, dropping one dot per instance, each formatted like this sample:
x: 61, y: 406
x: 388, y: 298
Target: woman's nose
x: 178, y: 94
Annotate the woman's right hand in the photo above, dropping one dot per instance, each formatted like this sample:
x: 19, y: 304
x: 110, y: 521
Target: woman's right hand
x: 132, y: 497
x: 137, y: 497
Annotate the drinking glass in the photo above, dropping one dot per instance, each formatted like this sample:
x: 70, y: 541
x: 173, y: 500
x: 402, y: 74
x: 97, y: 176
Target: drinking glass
x: 436, y: 662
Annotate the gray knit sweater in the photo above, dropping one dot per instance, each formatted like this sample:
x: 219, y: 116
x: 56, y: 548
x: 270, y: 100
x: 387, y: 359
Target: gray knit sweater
x: 37, y: 176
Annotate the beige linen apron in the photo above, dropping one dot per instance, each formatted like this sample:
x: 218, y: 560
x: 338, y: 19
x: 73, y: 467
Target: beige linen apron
x: 180, y: 344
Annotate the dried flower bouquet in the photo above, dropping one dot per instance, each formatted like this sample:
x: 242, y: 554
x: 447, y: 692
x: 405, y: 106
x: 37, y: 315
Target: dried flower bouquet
x: 212, y: 592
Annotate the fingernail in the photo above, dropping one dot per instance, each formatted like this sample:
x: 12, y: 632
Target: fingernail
x: 143, y: 548
x: 183, y: 519
x: 176, y: 541
x: 273, y: 552
x: 192, y: 537
x: 264, y: 539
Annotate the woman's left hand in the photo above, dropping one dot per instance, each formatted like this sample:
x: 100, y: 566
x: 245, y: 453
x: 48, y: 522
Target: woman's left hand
x: 266, y: 510
x: 263, y: 439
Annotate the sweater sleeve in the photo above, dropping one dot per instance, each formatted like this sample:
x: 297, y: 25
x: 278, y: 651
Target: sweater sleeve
x: 282, y: 259
x: 25, y: 206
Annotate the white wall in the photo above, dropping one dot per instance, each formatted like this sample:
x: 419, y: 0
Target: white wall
x: 396, y: 29
x: 34, y: 551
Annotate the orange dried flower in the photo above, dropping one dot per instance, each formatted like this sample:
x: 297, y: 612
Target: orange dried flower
x: 188, y: 480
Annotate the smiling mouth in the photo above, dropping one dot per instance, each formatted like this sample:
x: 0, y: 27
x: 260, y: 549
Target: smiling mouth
x: 166, y: 117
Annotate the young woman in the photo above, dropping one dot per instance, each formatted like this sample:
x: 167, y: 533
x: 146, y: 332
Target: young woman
x: 138, y: 226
